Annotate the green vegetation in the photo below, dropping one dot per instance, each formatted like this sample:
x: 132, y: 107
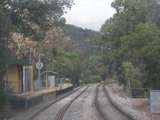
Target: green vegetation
x: 78, y: 34
x: 132, y: 39
x: 36, y: 27
x: 34, y: 17
x: 87, y: 65
x: 127, y: 47
x: 4, y: 30
x: 28, y: 21
x: 2, y: 99
x: 68, y: 65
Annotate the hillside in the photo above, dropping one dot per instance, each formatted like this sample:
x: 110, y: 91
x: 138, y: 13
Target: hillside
x: 79, y: 35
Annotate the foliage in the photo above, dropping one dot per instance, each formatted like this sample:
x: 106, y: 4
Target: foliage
x: 81, y: 38
x: 92, y: 79
x: 4, y: 31
x: 144, y: 48
x: 2, y: 98
x: 132, y: 75
x: 69, y: 65
x: 33, y: 17
x: 79, y: 34
x: 22, y: 22
x: 43, y: 19
x: 132, y: 36
x: 27, y: 18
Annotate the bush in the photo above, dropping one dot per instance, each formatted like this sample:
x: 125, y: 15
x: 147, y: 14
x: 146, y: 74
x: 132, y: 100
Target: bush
x: 2, y: 98
x: 92, y: 79
x: 132, y: 74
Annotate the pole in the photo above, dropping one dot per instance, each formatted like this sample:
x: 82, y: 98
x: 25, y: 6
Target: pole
x: 31, y: 70
x: 39, y: 72
x: 39, y: 77
x: 46, y: 79
x: 129, y: 88
x: 24, y: 90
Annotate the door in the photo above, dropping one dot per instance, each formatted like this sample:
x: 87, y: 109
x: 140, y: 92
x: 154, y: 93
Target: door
x: 27, y: 78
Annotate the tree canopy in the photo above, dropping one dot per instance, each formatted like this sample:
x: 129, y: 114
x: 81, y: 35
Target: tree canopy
x: 132, y: 37
x: 30, y: 20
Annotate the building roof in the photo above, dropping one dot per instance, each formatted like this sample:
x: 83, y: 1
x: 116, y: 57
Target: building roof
x: 20, y: 62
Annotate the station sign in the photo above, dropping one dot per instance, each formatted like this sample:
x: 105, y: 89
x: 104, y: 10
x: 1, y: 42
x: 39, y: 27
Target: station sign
x: 39, y: 65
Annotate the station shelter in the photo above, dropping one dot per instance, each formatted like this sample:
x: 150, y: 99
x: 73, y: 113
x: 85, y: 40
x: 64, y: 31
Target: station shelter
x: 19, y: 76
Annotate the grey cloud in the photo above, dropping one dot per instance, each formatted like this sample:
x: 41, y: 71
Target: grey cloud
x: 90, y: 14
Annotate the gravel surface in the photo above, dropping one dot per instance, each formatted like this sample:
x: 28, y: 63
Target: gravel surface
x: 111, y: 112
x: 50, y: 113
x: 133, y: 107
x: 83, y: 108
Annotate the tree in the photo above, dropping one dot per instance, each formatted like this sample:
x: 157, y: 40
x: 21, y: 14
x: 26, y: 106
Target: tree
x: 69, y: 65
x: 34, y: 17
x: 132, y: 75
x: 4, y: 31
x: 132, y: 36
x: 30, y: 19
x: 142, y: 49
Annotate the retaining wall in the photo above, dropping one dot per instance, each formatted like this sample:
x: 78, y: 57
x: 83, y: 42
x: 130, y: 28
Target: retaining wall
x: 18, y: 102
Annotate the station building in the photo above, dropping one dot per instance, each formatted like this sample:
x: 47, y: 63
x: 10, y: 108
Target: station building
x: 19, y: 76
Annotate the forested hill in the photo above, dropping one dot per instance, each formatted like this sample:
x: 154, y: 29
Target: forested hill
x: 79, y: 34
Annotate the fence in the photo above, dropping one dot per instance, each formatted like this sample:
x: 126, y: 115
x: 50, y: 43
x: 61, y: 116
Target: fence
x: 139, y: 92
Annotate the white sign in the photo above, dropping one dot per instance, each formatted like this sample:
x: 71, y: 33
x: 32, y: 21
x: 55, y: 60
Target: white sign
x: 39, y: 65
x: 51, y: 80
x: 155, y: 101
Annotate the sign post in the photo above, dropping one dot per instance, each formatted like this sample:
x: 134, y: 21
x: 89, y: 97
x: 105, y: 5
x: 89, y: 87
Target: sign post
x: 39, y: 66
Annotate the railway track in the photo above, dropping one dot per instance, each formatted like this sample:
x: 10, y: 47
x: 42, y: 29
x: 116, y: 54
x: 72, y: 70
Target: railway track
x: 97, y: 104
x: 105, y: 108
x: 102, y: 112
x: 62, y: 111
x: 52, y: 103
x: 107, y: 96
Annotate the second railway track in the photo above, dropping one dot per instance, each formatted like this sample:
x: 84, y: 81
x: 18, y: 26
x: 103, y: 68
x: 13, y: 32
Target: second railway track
x: 97, y: 104
x: 103, y: 113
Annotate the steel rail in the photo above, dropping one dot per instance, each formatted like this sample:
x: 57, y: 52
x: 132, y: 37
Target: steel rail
x: 61, y: 113
x: 97, y: 104
x: 101, y: 113
x: 52, y: 103
x: 115, y: 106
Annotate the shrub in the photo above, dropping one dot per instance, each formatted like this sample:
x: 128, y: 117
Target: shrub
x: 132, y: 75
x: 2, y: 98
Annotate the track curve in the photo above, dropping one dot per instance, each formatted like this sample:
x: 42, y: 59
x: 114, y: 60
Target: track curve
x: 104, y: 107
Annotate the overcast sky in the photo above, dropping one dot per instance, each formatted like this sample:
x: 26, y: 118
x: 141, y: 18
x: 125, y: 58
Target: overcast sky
x: 90, y: 14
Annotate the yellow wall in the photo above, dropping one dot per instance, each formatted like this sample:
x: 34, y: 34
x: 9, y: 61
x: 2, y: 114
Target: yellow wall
x: 13, y: 78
